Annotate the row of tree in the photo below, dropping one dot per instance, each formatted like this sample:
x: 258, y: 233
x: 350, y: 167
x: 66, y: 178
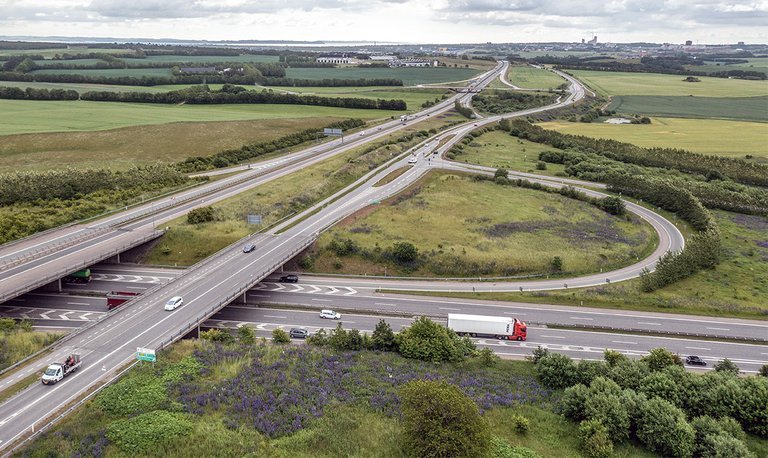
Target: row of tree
x: 656, y: 401
x: 131, y: 80
x: 736, y: 169
x: 31, y: 186
x: 246, y: 152
x: 499, y: 102
x: 331, y: 82
x: 16, y: 93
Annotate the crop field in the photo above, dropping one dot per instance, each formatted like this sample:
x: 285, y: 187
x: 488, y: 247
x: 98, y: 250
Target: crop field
x: 128, y: 146
x: 757, y: 64
x: 741, y: 108
x: 245, y: 58
x: 22, y: 116
x: 485, y: 229
x: 50, y: 53
x: 414, y: 97
x: 533, y: 78
x: 500, y: 150
x: 108, y: 73
x: 410, y: 76
x: 76, y: 62
x: 708, y: 136
x: 621, y: 83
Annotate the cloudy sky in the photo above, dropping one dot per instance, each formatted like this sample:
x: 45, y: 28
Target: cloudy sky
x: 418, y: 21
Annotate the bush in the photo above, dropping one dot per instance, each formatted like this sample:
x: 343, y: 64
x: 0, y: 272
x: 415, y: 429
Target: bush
x: 764, y: 370
x: 662, y: 427
x: 541, y: 165
x: 727, y: 366
x: 488, y: 358
x: 320, y: 338
x: 439, y: 420
x: 404, y: 252
x: 659, y: 358
x: 609, y: 409
x: 201, y: 215
x: 383, y: 338
x: 279, y: 336
x: 538, y: 353
x: 613, y: 357
x: 134, y: 395
x: 588, y: 370
x: 556, y: 371
x: 520, y: 424
x: 572, y: 402
x: 501, y: 449
x: 429, y: 341
x: 141, y: 433
x: 556, y: 265
x: 217, y: 335
x: 501, y: 173
x: 246, y: 335
x: 594, y: 439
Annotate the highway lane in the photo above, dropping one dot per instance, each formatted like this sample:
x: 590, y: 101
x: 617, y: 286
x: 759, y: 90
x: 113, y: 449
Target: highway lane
x: 312, y: 292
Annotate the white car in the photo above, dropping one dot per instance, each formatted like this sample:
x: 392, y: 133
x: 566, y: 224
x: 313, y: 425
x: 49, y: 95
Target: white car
x: 174, y: 302
x: 330, y: 314
x: 413, y: 160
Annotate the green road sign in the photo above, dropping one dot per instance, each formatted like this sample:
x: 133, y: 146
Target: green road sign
x: 146, y: 354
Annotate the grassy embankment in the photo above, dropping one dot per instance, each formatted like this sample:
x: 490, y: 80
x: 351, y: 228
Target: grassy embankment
x: 359, y: 411
x: 18, y: 340
x: 533, y: 78
x: 186, y: 244
x: 466, y: 228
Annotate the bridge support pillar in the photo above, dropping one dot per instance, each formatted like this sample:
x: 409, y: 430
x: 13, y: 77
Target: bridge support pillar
x: 241, y: 299
x: 54, y: 286
x: 114, y: 259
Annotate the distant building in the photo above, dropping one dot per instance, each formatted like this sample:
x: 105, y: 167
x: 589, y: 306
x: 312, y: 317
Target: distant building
x: 688, y: 42
x: 593, y: 41
x: 741, y: 43
x: 336, y: 60
x: 412, y: 63
x: 383, y: 58
x: 198, y: 70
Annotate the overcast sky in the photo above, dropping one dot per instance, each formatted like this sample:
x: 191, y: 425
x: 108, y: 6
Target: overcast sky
x: 425, y: 21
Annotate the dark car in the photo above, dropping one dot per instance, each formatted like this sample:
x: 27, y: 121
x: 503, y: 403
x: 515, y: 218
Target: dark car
x: 298, y: 333
x: 249, y: 247
x: 694, y: 361
x: 289, y: 279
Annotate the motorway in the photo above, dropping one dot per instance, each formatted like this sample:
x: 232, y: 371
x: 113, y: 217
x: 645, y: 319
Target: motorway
x: 109, y: 343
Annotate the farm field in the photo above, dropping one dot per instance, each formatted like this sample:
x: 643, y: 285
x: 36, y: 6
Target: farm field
x: 108, y: 73
x: 85, y: 87
x: 409, y: 76
x: 757, y: 64
x: 414, y: 97
x: 51, y: 52
x: 21, y: 116
x: 741, y: 108
x: 621, y: 83
x: 76, y: 62
x: 485, y: 229
x: 533, y: 78
x: 128, y: 146
x: 736, y: 287
x: 708, y: 136
x: 500, y: 150
x: 245, y: 58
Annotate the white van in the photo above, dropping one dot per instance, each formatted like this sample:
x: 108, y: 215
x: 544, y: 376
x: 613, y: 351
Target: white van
x: 173, y: 303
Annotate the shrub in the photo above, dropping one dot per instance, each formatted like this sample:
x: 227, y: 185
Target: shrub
x: 217, y: 335
x: 201, y: 215
x: 488, y: 358
x: 7, y: 324
x: 279, y: 336
x: 659, y: 358
x: 320, y: 338
x: 140, y: 433
x: 538, y: 353
x: 764, y: 370
x: 594, y: 439
x: 629, y: 373
x: 572, y: 402
x: 727, y: 366
x: 383, y: 338
x: 659, y: 384
x: 130, y: 396
x: 439, y: 420
x: 429, y: 341
x: 556, y: 265
x: 662, y: 427
x: 541, y: 165
x: 501, y: 449
x: 556, y: 371
x: 611, y: 412
x: 246, y: 335
x: 613, y: 357
x: 501, y: 173
x: 587, y: 370
x: 404, y: 252
x: 520, y: 424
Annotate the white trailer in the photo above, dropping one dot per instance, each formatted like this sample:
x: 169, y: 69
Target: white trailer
x: 505, y: 328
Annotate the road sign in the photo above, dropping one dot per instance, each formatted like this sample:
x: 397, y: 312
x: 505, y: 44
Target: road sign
x: 146, y: 354
x: 253, y: 219
x: 330, y: 132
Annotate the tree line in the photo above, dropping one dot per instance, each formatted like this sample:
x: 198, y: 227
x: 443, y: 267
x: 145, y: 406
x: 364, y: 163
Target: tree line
x: 738, y: 170
x: 29, y: 93
x: 499, y: 102
x: 331, y: 82
x: 246, y: 152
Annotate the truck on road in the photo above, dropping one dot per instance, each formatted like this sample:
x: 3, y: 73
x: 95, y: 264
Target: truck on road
x: 503, y: 328
x: 58, y: 371
x: 117, y: 298
x: 81, y: 276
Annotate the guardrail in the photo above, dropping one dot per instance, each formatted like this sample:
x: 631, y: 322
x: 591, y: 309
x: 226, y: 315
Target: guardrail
x: 29, y: 255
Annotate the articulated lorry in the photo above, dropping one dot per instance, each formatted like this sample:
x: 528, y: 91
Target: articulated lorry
x: 502, y: 328
x: 81, y: 276
x: 118, y: 298
x: 58, y: 371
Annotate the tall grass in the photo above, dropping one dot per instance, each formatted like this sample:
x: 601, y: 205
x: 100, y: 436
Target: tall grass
x: 18, y: 344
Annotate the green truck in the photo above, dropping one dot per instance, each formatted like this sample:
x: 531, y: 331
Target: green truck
x: 81, y: 276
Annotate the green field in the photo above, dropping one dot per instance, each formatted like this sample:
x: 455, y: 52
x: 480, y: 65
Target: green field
x: 485, y: 229
x: 108, y: 73
x: 20, y: 116
x: 76, y: 62
x: 533, y: 78
x: 414, y: 97
x: 245, y: 58
x: 708, y: 136
x: 500, y: 150
x: 409, y: 76
x: 50, y: 53
x: 620, y: 83
x: 737, y: 287
x: 741, y: 108
x: 757, y: 64
x: 129, y: 146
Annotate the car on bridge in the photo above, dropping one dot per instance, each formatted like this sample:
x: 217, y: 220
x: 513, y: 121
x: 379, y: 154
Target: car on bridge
x: 330, y: 315
x: 289, y: 279
x: 694, y: 361
x: 173, y: 303
x: 249, y: 247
